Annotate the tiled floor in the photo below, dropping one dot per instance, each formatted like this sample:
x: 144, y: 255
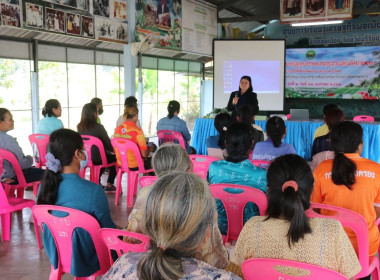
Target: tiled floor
x: 20, y: 258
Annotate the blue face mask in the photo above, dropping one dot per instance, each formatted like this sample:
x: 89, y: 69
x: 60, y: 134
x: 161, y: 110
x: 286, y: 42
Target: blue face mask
x: 83, y: 163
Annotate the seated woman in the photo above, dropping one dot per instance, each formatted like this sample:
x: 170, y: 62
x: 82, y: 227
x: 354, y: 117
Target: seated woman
x: 215, y: 144
x: 51, y: 112
x: 286, y: 232
x: 130, y: 131
x: 63, y: 186
x: 172, y: 157
x: 9, y: 143
x: 323, y: 143
x: 173, y: 123
x: 237, y: 169
x: 88, y: 125
x: 273, y: 146
x: 350, y: 181
x: 179, y: 216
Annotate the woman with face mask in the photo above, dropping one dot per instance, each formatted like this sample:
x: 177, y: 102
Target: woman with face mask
x: 99, y: 106
x: 63, y: 186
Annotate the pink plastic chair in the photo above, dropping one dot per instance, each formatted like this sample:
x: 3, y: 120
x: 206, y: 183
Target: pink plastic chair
x: 354, y: 221
x: 364, y: 118
x: 7, y: 206
x: 62, y: 229
x: 122, y: 146
x: 147, y: 181
x: 261, y: 163
x: 234, y: 204
x: 22, y: 184
x: 201, y: 164
x: 264, y: 268
x: 165, y: 136
x: 41, y: 141
x: 111, y: 239
x: 89, y: 142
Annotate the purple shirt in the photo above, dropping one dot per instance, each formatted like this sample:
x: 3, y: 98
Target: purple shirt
x: 265, y: 150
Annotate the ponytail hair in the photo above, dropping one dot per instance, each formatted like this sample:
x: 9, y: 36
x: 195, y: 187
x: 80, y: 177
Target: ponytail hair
x: 345, y: 138
x: 275, y: 128
x: 173, y: 107
x: 49, y: 106
x: 178, y: 213
x: 290, y: 183
x: 63, y: 143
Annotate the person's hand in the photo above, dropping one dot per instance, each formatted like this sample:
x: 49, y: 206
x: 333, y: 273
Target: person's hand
x: 235, y: 100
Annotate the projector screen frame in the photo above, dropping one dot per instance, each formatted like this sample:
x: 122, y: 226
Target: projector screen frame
x: 283, y: 41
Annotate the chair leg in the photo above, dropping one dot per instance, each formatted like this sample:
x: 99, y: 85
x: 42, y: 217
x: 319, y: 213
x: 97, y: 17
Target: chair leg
x: 118, y: 186
x: 131, y: 187
x: 55, y: 274
x: 6, y: 226
x: 35, y: 189
x: 37, y: 231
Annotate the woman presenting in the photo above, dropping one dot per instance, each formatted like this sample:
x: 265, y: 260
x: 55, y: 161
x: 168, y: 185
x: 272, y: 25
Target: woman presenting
x: 244, y: 96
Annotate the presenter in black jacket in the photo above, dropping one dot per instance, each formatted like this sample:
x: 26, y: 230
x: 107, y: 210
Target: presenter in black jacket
x: 244, y: 96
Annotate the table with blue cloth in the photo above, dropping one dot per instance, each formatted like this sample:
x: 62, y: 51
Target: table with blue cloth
x: 298, y: 133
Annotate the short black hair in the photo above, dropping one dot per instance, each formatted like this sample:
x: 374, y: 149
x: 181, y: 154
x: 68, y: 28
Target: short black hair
x: 130, y: 101
x: 329, y: 107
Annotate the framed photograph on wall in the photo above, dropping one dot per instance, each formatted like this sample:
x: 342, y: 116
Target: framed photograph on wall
x: 54, y: 20
x: 73, y: 24
x: 87, y: 26
x: 10, y: 15
x: 34, y: 16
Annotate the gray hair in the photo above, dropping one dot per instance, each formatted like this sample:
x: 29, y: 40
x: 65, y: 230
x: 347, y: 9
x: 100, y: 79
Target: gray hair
x: 171, y: 157
x: 178, y: 213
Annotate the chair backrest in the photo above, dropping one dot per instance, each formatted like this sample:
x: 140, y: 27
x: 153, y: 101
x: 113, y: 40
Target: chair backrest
x: 147, y: 181
x: 165, y: 136
x: 91, y: 141
x: 41, y: 141
x: 201, y: 164
x: 265, y: 268
x: 121, y: 146
x: 11, y: 158
x: 62, y: 229
x: 261, y: 163
x: 234, y: 204
x: 364, y: 118
x: 113, y: 239
x: 351, y: 220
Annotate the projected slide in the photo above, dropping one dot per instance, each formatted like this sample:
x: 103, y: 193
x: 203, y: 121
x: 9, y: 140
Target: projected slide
x: 348, y: 73
x: 262, y: 60
x: 261, y: 72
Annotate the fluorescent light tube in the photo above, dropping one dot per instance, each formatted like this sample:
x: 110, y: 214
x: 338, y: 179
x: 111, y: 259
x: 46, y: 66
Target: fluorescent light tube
x: 317, y: 23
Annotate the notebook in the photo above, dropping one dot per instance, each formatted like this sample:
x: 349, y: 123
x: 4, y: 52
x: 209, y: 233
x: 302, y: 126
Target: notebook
x: 299, y: 114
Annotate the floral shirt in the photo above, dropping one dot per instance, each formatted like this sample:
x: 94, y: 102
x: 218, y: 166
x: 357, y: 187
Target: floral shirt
x: 126, y: 268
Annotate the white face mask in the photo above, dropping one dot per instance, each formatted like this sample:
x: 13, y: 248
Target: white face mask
x: 83, y: 163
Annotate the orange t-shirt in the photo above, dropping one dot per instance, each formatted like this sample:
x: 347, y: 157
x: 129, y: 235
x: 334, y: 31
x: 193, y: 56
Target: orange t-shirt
x: 362, y: 198
x: 131, y: 131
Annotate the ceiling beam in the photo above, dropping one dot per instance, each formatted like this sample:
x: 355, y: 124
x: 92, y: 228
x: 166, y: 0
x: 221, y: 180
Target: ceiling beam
x: 356, y: 12
x: 227, y: 3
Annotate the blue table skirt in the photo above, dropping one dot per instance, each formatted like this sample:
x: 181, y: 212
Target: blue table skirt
x: 298, y: 133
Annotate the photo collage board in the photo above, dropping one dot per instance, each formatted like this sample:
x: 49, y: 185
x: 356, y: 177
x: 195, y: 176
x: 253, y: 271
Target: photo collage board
x: 295, y: 11
x: 97, y: 19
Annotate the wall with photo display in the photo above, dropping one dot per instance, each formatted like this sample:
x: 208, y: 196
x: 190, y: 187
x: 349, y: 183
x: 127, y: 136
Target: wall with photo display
x: 292, y: 11
x: 70, y: 17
